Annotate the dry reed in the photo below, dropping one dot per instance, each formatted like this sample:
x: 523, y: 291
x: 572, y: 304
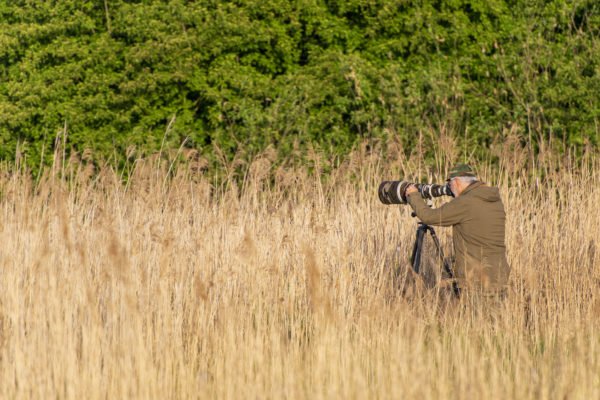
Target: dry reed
x: 175, y: 288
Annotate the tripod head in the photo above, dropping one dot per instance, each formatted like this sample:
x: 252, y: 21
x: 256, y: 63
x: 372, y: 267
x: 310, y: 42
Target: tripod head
x: 422, y: 224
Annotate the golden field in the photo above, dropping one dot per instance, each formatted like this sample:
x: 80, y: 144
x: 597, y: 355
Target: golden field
x: 176, y: 284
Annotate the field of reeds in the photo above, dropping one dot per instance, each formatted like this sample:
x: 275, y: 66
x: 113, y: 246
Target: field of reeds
x: 280, y: 283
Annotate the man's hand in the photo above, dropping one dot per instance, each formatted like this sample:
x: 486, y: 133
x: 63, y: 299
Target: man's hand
x: 411, y: 189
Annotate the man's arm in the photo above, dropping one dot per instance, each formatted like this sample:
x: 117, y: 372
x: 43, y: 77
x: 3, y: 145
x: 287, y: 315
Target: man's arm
x: 450, y: 213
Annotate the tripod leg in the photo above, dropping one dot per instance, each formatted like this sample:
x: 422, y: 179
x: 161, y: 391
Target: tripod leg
x: 444, y: 261
x: 415, y: 259
x: 440, y: 252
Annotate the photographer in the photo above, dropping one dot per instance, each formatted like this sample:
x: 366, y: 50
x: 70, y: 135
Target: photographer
x: 477, y: 217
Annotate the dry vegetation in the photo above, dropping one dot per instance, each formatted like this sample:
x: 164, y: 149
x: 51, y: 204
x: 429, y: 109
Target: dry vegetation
x: 173, y: 288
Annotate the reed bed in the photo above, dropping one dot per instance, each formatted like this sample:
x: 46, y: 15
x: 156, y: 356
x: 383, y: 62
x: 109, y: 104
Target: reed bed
x: 281, y: 283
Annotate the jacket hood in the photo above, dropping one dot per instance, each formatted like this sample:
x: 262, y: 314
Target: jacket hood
x: 483, y: 192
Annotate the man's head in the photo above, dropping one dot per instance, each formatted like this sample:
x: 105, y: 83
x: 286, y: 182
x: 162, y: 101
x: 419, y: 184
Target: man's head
x: 461, y: 176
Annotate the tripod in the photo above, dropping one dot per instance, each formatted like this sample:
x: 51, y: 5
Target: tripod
x: 415, y: 258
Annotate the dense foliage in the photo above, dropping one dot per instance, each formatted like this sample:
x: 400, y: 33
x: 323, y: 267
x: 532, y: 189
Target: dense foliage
x: 244, y: 74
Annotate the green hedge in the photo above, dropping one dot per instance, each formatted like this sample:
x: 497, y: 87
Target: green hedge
x: 245, y: 74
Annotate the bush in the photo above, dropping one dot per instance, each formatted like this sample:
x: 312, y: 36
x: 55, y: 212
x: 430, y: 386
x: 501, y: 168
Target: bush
x: 247, y: 74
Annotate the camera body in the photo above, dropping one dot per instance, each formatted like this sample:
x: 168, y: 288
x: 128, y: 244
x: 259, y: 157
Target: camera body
x: 394, y: 192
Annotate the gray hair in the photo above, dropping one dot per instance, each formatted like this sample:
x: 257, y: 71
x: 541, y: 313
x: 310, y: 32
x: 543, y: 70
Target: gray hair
x: 466, y: 179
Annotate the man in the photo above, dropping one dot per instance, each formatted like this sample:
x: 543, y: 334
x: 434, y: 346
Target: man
x: 477, y: 217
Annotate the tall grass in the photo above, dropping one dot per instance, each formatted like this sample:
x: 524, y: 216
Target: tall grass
x: 177, y: 285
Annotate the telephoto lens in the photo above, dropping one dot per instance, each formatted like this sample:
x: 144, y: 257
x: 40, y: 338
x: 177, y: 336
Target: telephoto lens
x: 394, y: 192
x: 429, y: 190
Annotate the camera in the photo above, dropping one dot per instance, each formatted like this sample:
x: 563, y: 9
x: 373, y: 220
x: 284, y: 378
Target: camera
x: 394, y: 192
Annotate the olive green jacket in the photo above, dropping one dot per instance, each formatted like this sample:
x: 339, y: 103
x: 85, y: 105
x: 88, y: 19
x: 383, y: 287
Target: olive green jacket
x: 477, y: 218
